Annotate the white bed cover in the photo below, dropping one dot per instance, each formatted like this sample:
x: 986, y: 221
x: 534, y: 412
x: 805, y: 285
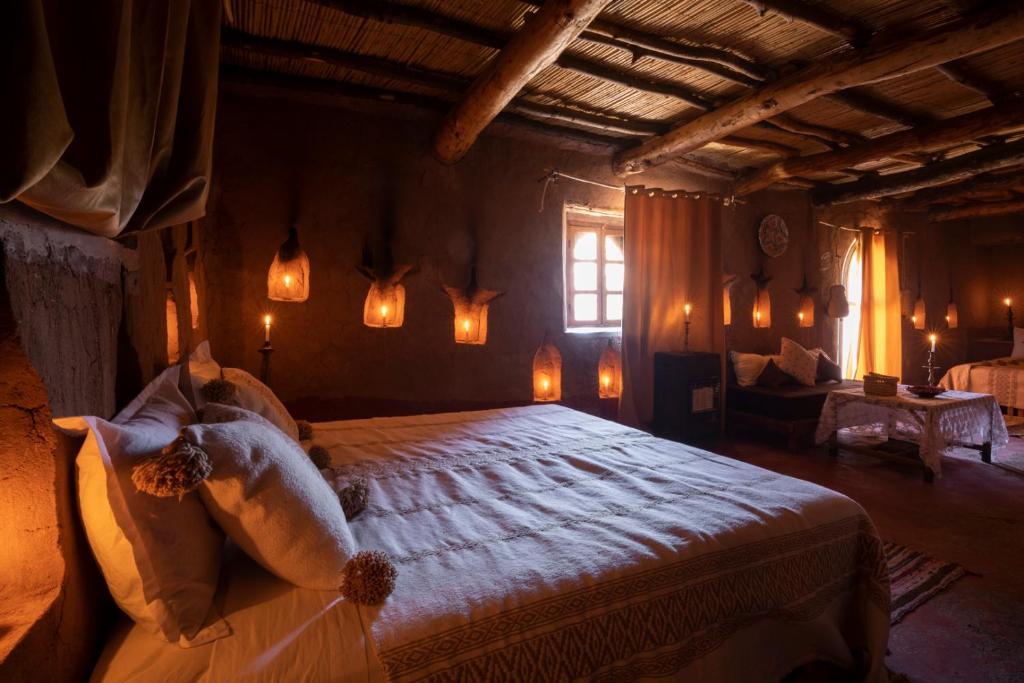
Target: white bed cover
x: 542, y: 543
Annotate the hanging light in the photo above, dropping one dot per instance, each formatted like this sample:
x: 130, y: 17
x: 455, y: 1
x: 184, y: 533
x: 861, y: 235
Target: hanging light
x: 471, y: 305
x: 952, y: 317
x: 288, y: 279
x: 838, y: 304
x: 805, y: 307
x: 918, y: 318
x: 727, y: 281
x: 385, y: 302
x: 762, y: 312
x: 173, y: 340
x: 609, y: 373
x: 547, y: 373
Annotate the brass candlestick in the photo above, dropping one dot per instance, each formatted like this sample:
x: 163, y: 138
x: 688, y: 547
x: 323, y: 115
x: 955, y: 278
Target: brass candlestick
x: 265, y: 351
x: 931, y: 368
x: 686, y: 335
x: 1009, y: 322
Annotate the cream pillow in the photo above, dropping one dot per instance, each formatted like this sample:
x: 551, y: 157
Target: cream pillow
x: 256, y: 396
x: 798, y: 362
x: 269, y: 499
x: 202, y: 369
x: 748, y: 367
x: 160, y: 558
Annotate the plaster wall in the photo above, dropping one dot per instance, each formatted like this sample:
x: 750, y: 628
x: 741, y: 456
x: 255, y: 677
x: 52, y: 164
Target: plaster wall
x: 345, y: 176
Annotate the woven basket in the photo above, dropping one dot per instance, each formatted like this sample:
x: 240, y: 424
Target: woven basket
x: 880, y: 385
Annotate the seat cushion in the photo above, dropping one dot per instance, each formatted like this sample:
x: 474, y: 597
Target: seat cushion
x: 786, y: 402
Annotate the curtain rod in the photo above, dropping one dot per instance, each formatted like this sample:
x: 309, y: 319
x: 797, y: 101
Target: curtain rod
x: 554, y: 174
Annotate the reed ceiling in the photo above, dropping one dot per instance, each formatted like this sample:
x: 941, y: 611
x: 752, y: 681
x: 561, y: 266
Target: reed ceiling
x: 638, y: 93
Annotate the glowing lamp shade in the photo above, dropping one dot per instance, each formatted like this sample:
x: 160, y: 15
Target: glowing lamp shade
x: 288, y: 279
x: 609, y: 372
x: 471, y: 304
x: 805, y: 311
x: 918, y: 318
x: 547, y: 373
x: 952, y: 316
x: 173, y: 343
x: 384, y: 305
x: 762, y: 313
x: 838, y: 304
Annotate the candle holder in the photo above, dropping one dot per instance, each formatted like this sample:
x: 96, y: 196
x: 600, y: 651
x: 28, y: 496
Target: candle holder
x: 1009, y: 322
x: 265, y: 351
x: 686, y: 335
x: 931, y: 367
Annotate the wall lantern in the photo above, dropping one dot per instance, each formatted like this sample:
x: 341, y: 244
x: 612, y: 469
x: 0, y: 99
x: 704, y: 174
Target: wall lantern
x: 288, y: 279
x: 805, y: 307
x: 919, y: 313
x: 727, y: 281
x: 547, y: 373
x: 762, y: 312
x: 952, y: 315
x: 173, y: 340
x: 609, y: 372
x: 471, y: 304
x: 385, y: 302
x: 838, y: 304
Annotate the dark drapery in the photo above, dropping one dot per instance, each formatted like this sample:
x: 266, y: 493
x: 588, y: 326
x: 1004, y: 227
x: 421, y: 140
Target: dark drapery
x: 107, y: 110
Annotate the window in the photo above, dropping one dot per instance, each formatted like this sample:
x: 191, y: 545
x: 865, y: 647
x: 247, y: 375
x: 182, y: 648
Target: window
x: 594, y: 269
x: 849, y: 327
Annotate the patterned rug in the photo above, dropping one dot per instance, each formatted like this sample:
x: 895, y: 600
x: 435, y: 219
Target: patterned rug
x: 915, y: 578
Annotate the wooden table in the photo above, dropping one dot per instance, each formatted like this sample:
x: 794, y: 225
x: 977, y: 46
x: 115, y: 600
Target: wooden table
x: 926, y: 426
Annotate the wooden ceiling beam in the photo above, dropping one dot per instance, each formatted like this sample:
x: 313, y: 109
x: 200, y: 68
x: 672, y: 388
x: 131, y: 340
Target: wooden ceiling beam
x: 948, y: 171
x: 451, y: 85
x: 820, y: 16
x: 984, y: 87
x: 770, y: 146
x: 978, y: 210
x: 883, y: 62
x: 987, y: 182
x: 537, y: 45
x: 862, y: 101
x: 319, y: 86
x: 998, y: 119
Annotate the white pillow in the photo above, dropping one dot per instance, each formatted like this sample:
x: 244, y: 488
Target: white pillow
x: 748, y: 367
x: 269, y: 498
x: 256, y: 396
x: 798, y: 362
x: 203, y: 368
x: 1018, y: 343
x: 160, y: 558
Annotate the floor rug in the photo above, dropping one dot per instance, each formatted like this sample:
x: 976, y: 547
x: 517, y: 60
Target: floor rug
x: 915, y: 578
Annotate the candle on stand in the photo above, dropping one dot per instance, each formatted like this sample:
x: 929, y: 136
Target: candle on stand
x: 266, y: 329
x: 1009, y: 317
x: 686, y: 311
x: 933, y: 338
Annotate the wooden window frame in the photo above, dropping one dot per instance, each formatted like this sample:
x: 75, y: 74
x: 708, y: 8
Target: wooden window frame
x: 613, y: 226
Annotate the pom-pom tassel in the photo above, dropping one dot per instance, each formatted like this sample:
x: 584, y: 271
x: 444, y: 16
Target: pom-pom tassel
x: 305, y: 430
x: 320, y: 457
x: 220, y: 391
x: 178, y: 469
x: 368, y: 578
x: 354, y: 498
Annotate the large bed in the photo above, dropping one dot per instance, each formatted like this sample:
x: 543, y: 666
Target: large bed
x: 540, y: 543
x: 1001, y: 377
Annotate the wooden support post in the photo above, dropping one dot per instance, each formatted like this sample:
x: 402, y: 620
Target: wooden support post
x: 536, y: 46
x: 980, y: 33
x: 977, y: 210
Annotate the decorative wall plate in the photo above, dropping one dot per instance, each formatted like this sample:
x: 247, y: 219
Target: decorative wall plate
x: 773, y: 235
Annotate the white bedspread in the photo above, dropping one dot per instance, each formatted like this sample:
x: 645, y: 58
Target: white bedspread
x: 543, y: 544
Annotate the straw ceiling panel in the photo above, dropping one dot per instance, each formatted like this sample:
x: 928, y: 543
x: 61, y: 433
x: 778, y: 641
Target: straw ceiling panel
x: 733, y: 25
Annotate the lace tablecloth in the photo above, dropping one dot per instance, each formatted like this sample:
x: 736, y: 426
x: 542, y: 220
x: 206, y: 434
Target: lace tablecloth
x: 935, y: 424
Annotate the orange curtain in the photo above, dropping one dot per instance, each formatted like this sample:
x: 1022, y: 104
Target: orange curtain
x: 881, y: 331
x: 673, y: 257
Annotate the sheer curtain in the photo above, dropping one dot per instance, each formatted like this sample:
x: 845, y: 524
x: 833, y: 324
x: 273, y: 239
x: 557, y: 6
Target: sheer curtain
x: 673, y: 257
x: 881, y: 331
x: 108, y: 113
x: 849, y: 327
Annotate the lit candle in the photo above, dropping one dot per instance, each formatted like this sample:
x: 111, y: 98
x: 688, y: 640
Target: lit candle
x: 933, y: 338
x: 266, y: 329
x: 545, y: 385
x: 757, y: 316
x: 384, y: 315
x: 288, y: 281
x: 1007, y: 302
x: 686, y: 310
x: 913, y: 319
x: 606, y: 381
x: 800, y: 316
x: 465, y: 327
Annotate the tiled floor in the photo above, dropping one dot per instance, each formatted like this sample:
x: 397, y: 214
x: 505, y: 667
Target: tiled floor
x: 973, y: 515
